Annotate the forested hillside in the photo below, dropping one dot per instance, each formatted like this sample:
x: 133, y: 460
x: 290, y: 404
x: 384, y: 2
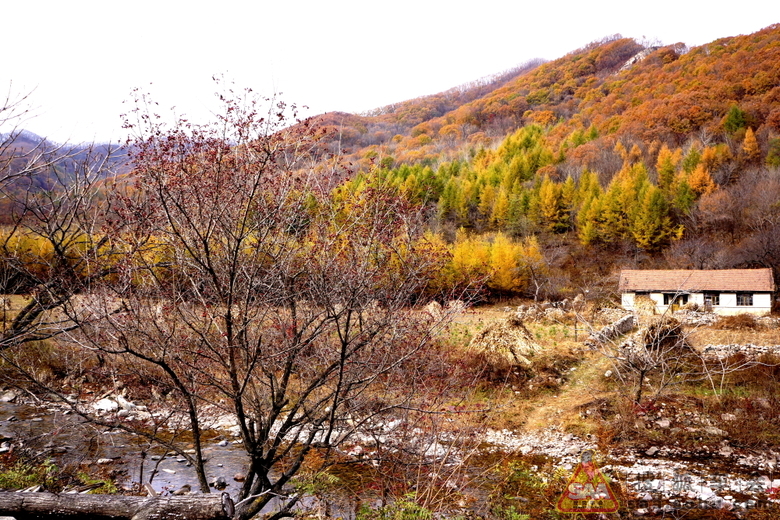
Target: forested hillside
x: 543, y: 180
x: 614, y: 155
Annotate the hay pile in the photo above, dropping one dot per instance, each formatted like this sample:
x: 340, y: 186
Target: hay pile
x: 644, y: 305
x: 505, y: 343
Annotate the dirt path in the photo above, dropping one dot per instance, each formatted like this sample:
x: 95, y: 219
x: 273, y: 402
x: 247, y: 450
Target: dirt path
x: 561, y: 408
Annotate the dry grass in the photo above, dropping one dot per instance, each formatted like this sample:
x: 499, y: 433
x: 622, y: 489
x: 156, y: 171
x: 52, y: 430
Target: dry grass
x: 511, y: 389
x: 10, y: 305
x: 589, y: 403
x: 702, y: 336
x: 741, y: 403
x: 583, y: 387
x: 738, y: 322
x: 560, y: 383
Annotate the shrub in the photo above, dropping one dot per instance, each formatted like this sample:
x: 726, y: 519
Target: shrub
x: 21, y: 474
x: 405, y: 508
x: 738, y: 322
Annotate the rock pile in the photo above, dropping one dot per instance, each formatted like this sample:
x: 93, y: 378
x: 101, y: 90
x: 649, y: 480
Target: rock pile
x: 749, y: 350
x: 564, y: 448
x: 769, y: 322
x: 119, y: 405
x: 547, y: 311
x: 624, y: 325
x: 693, y: 317
x: 436, y: 310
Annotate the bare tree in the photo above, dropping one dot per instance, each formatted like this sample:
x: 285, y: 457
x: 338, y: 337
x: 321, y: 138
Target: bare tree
x: 659, y: 356
x: 51, y: 247
x: 250, y: 286
x: 694, y: 253
x: 229, y: 271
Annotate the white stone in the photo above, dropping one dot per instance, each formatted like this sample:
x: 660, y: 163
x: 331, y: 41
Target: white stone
x: 705, y: 493
x: 124, y: 403
x: 8, y: 396
x: 436, y: 451
x: 106, y: 405
x: 712, y: 430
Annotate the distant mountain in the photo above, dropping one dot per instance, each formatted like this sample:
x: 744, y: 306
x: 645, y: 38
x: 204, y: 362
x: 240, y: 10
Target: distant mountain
x: 25, y: 151
x: 615, y: 85
x: 30, y: 163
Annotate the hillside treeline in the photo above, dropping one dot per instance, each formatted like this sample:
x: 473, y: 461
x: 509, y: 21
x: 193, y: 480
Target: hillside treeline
x: 541, y: 181
x: 616, y: 154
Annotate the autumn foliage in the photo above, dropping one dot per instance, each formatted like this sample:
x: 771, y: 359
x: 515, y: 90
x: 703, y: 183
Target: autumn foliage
x: 614, y: 147
x: 643, y: 151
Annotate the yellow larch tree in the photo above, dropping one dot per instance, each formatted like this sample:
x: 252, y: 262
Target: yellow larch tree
x: 700, y: 180
x: 504, y: 269
x: 750, y: 147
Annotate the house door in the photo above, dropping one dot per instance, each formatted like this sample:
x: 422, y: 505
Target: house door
x: 675, y: 300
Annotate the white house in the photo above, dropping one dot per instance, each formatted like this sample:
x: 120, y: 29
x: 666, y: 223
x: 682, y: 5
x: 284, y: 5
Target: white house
x: 723, y: 291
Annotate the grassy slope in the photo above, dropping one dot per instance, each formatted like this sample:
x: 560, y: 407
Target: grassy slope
x: 569, y: 391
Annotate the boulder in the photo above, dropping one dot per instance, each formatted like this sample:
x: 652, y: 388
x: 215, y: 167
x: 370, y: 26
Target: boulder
x: 554, y: 314
x: 124, y: 403
x: 712, y: 430
x: 9, y: 396
x: 434, y: 309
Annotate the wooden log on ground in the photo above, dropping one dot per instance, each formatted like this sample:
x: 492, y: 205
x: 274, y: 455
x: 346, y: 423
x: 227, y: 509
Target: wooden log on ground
x: 24, y: 506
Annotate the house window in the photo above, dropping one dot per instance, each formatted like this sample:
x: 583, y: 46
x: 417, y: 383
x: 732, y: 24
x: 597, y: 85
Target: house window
x: 744, y: 299
x: 711, y: 299
x: 675, y: 299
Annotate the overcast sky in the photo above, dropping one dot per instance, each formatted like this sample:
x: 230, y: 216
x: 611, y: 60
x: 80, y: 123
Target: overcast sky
x: 82, y: 58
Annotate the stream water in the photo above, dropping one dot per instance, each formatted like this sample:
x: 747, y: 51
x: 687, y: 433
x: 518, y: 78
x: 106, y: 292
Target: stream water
x: 657, y: 482
x: 69, y: 440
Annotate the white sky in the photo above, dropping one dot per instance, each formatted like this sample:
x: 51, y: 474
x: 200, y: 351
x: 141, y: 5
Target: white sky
x: 83, y: 57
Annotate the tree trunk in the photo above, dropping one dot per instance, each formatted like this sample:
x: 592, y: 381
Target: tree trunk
x: 24, y: 506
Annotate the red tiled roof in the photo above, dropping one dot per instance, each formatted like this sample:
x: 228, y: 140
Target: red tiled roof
x: 756, y: 280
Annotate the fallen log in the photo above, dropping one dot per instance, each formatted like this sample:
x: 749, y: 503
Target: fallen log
x: 24, y: 506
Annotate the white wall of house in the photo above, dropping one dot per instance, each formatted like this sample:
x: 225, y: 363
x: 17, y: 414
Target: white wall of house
x: 762, y: 303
